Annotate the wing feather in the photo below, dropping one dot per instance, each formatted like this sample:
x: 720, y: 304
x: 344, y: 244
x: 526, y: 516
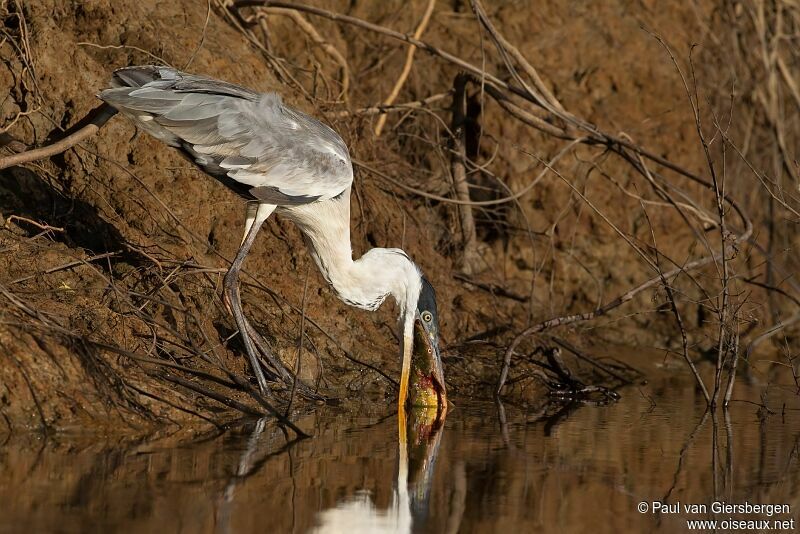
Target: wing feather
x: 262, y: 148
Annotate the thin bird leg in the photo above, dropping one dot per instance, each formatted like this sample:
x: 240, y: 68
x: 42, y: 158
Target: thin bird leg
x: 288, y: 378
x: 231, y: 287
x: 250, y: 216
x: 258, y: 341
x: 261, y: 344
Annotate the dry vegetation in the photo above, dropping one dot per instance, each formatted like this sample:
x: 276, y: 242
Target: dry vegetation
x: 565, y: 178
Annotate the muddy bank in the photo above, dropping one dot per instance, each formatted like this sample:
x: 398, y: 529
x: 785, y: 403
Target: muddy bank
x: 112, y: 253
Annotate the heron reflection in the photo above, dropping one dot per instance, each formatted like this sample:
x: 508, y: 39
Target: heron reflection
x: 420, y: 432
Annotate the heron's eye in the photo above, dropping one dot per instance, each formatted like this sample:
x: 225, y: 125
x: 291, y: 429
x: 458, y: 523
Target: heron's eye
x: 427, y: 317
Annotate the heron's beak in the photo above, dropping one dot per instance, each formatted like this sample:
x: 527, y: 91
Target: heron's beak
x: 426, y: 380
x: 405, y: 371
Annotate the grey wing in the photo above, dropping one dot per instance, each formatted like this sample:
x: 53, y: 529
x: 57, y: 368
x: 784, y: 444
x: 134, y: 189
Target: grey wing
x: 252, y: 142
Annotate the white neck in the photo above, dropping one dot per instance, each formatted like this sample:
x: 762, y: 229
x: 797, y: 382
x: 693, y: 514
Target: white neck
x: 366, y: 282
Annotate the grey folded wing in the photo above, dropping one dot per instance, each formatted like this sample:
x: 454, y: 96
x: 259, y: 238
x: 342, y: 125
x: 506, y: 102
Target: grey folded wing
x: 250, y: 141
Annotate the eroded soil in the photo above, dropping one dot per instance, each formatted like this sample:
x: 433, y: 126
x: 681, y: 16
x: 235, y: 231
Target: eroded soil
x: 112, y: 253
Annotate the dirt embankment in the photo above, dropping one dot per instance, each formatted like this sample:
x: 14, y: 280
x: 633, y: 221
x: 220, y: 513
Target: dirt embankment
x: 112, y: 253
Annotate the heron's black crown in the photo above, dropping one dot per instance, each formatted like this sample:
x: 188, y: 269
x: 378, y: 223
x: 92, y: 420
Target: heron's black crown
x: 427, y: 303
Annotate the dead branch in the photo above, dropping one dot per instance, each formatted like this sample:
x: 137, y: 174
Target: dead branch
x: 673, y: 305
x: 548, y: 166
x: 401, y: 80
x: 355, y: 21
x: 381, y: 109
x: 493, y: 289
x: 592, y: 135
x: 770, y: 332
x: 211, y: 394
x: 597, y: 312
x: 309, y: 30
x: 202, y: 36
x: 126, y: 47
x: 471, y: 259
x: 542, y: 93
x: 40, y: 226
x: 52, y: 326
x: 591, y: 361
x: 531, y: 117
x: 97, y: 118
x: 64, y: 267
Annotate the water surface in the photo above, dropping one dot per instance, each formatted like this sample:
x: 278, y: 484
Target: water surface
x: 575, y: 469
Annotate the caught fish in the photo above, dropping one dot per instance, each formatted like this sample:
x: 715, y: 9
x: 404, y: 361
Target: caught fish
x: 426, y: 380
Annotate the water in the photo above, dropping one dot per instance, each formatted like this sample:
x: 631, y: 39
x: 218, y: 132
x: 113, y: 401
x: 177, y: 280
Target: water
x: 585, y: 469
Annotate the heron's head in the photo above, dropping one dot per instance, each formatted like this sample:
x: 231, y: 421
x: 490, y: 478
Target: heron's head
x: 390, y: 271
x: 422, y: 376
x: 428, y: 387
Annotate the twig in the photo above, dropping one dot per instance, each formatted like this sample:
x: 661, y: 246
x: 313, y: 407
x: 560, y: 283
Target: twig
x: 511, y: 198
x: 491, y: 288
x: 769, y: 332
x: 298, y: 360
x: 97, y: 118
x: 64, y: 267
x: 401, y: 80
x: 678, y: 319
x: 527, y: 116
x: 471, y: 259
x: 242, y: 383
x: 45, y: 227
x: 734, y: 350
x: 172, y: 404
x: 597, y: 312
x: 772, y: 288
x: 591, y: 361
x: 380, y: 108
x: 202, y: 37
x: 593, y: 135
x: 546, y: 98
x: 18, y: 116
x: 197, y: 388
x: 309, y: 29
x: 123, y: 47
x: 337, y: 17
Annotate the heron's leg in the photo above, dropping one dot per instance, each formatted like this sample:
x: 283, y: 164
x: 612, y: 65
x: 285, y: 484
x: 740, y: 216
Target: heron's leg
x: 250, y: 217
x: 288, y: 378
x: 255, y: 219
x: 262, y: 346
x: 258, y: 341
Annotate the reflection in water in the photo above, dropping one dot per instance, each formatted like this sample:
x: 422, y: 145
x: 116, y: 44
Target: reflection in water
x: 358, y: 514
x: 244, y: 468
x: 419, y: 435
x: 489, y: 469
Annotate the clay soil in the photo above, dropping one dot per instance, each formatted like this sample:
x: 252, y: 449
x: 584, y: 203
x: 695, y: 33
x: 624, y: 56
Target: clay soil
x: 112, y: 253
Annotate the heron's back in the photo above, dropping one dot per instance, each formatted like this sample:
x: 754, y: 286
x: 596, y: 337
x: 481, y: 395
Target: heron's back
x: 250, y: 141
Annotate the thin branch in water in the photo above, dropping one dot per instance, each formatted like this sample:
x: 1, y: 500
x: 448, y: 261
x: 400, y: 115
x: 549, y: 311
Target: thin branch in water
x: 673, y: 305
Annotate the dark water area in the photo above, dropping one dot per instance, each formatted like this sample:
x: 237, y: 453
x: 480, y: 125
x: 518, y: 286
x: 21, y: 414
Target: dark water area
x: 574, y: 469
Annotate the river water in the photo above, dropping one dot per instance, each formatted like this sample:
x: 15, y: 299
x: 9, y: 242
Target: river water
x: 578, y: 469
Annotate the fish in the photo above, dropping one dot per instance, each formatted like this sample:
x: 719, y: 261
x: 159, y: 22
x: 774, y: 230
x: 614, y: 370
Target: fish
x: 426, y: 379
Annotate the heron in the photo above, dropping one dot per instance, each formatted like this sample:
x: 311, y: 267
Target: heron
x: 282, y: 161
